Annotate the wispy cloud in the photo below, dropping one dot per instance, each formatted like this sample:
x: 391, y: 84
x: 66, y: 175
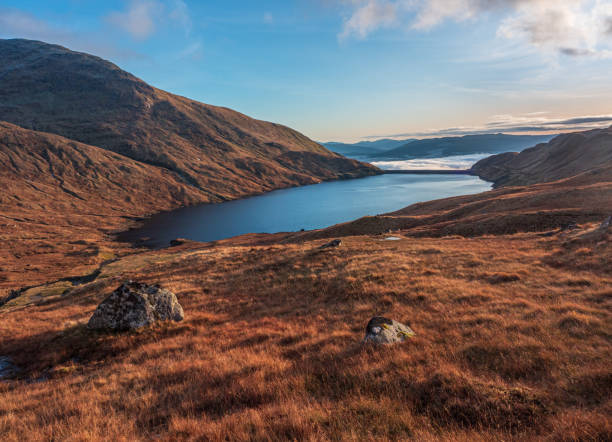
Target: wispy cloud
x: 509, y: 124
x: 142, y: 18
x: 194, y: 51
x: 568, y: 27
x: 268, y: 18
x: 15, y: 22
x: 19, y: 24
x: 368, y: 16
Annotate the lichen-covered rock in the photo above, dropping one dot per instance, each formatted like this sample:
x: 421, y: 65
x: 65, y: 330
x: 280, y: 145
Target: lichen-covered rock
x: 134, y: 305
x: 386, y: 331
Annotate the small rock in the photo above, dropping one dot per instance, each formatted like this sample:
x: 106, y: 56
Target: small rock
x: 6, y: 367
x: 134, y: 305
x: 334, y: 243
x: 386, y: 331
x: 570, y: 226
x: 606, y: 224
x: 177, y: 242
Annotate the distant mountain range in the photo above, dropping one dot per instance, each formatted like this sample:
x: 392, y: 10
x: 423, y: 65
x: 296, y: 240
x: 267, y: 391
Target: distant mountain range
x: 365, y: 148
x: 436, y: 147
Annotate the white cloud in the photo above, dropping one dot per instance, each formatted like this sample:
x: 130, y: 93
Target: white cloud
x: 138, y: 19
x: 368, y: 16
x: 21, y: 24
x: 180, y: 14
x: 268, y: 18
x: 570, y: 27
x: 142, y: 18
x: 18, y: 24
x: 535, y: 122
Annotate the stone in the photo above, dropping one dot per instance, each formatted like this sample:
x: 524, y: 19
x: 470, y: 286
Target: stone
x: 605, y: 225
x: 7, y: 369
x: 382, y: 330
x: 134, y: 305
x: 334, y: 243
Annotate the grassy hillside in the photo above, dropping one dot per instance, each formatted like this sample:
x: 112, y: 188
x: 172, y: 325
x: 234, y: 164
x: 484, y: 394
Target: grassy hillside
x: 564, y: 156
x: 509, y: 346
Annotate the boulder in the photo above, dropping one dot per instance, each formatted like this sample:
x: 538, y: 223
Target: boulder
x: 605, y: 225
x: 382, y: 330
x: 134, y: 305
x: 334, y: 243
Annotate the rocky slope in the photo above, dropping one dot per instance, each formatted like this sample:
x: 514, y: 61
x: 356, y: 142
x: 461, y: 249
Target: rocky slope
x: 564, y: 156
x: 214, y: 150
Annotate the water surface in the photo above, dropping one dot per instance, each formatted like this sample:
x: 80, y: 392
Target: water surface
x: 308, y: 207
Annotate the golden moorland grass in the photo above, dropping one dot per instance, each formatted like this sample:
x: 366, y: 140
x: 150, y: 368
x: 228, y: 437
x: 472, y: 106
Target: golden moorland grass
x: 513, y: 343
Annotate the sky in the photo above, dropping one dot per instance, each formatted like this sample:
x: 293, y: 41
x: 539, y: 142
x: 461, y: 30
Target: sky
x: 348, y: 70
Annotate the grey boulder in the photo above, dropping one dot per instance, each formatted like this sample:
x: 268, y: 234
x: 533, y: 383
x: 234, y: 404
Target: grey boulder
x: 382, y: 330
x: 134, y: 305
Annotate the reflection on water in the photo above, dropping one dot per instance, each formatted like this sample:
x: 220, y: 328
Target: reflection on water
x: 307, y: 207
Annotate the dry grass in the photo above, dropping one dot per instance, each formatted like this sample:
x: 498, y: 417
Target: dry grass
x: 511, y: 344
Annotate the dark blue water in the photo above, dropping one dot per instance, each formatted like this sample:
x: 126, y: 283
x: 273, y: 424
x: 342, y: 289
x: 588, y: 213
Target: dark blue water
x: 307, y: 207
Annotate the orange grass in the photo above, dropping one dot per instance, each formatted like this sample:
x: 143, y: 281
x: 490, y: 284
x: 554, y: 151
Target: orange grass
x: 513, y: 343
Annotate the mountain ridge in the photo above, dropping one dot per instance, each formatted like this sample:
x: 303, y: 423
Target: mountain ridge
x: 564, y: 156
x: 215, y: 149
x: 463, y: 145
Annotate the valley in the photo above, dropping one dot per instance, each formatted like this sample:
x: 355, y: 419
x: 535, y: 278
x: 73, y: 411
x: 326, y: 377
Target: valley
x: 508, y: 290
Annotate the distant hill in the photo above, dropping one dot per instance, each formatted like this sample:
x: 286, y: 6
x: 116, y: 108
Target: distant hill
x: 563, y: 157
x: 365, y: 148
x: 465, y: 145
x: 567, y: 180
x: 216, y: 151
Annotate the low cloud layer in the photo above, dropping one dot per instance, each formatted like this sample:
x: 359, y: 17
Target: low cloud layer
x: 512, y: 125
x: 455, y: 162
x: 570, y: 27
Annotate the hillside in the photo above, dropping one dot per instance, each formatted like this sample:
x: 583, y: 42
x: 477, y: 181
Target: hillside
x: 219, y: 152
x: 512, y: 333
x: 564, y: 156
x: 465, y: 145
x: 574, y: 184
x: 60, y: 198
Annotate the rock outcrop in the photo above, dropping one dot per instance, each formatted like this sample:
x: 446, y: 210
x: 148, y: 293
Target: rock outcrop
x: 382, y: 330
x: 134, y: 305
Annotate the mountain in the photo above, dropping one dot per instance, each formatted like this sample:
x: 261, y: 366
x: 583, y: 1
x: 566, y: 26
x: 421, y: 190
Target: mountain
x: 214, y: 150
x: 564, y: 156
x: 469, y: 144
x: 364, y: 148
x: 565, y: 181
x: 55, y: 176
x: 61, y: 199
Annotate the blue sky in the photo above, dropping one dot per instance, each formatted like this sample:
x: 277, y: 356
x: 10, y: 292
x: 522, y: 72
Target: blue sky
x: 355, y: 69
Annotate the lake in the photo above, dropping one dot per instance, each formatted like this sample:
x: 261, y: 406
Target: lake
x: 308, y: 207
